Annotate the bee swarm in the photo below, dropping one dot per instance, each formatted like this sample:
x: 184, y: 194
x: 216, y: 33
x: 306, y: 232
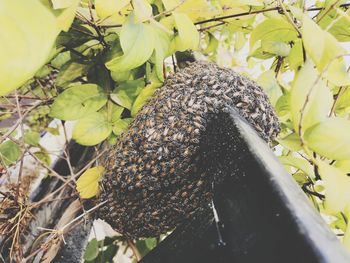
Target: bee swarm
x: 155, y: 178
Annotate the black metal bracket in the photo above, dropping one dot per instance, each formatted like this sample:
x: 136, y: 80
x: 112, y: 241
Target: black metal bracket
x: 264, y: 215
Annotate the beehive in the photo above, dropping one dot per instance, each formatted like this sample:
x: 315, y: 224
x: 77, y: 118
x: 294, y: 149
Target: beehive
x: 154, y: 177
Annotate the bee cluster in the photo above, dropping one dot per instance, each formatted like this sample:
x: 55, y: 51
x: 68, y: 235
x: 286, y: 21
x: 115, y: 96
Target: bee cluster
x: 155, y: 177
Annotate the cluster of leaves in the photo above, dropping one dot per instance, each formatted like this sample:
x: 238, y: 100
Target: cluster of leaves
x: 97, y: 62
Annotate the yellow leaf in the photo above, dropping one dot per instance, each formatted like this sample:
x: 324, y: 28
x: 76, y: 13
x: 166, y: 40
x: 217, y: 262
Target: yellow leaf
x: 27, y: 33
x: 188, y: 36
x: 106, y: 8
x: 337, y: 185
x: 87, y: 184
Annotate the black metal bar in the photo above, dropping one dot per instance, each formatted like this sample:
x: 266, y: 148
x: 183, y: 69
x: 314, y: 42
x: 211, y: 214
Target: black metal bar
x: 264, y: 214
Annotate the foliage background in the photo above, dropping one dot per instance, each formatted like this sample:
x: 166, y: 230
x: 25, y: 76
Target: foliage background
x: 93, y: 64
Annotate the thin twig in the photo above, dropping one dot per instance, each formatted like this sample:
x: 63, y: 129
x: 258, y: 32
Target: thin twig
x: 134, y: 249
x: 19, y: 121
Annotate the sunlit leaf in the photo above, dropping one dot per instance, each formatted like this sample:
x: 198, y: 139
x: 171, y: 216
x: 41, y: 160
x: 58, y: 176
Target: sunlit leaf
x: 78, y: 101
x: 308, y: 86
x: 142, y: 10
x: 66, y: 16
x: 230, y: 3
x: 212, y: 44
x: 295, y: 57
x: 196, y: 9
x: 188, y: 36
x: 87, y: 184
x: 105, y: 8
x: 343, y: 103
x: 161, y: 50
x: 26, y: 41
x: 330, y: 138
x: 59, y: 4
x: 272, y: 29
x: 325, y: 51
x: 291, y: 142
x: 337, y: 185
x: 346, y: 240
x: 275, y: 47
x: 143, y: 97
x: 137, y: 42
x: 298, y: 163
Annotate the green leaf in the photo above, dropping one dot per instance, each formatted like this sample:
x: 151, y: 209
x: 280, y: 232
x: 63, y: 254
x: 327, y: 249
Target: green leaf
x: 43, y: 156
x: 92, y: 250
x: 308, y: 86
x: 151, y: 243
x: 137, y: 42
x: 26, y: 41
x: 330, y: 138
x: 92, y: 129
x: 283, y: 105
x: 9, y: 152
x: 145, y: 94
x: 87, y: 184
x: 188, y: 36
x: 275, y: 47
x: 268, y: 82
x: 109, y: 253
x: 71, y: 71
x: 161, y: 50
x: 78, y: 101
x: 120, y: 125
x: 212, y: 43
x: 337, y: 185
x: 126, y: 92
x: 116, y: 112
x: 32, y: 138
